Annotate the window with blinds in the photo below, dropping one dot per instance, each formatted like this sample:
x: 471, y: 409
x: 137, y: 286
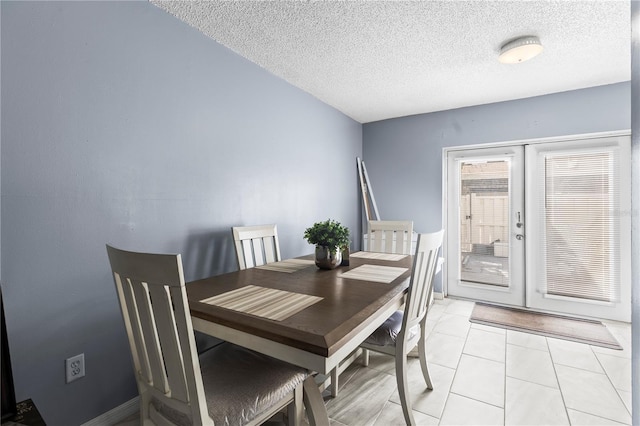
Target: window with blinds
x: 581, y: 244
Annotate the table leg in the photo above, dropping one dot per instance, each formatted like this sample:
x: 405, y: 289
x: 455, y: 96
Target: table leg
x: 334, y: 382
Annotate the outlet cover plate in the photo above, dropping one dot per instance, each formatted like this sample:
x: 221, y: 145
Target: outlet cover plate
x: 74, y: 367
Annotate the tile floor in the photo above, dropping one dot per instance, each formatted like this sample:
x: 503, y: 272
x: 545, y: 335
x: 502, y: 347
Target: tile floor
x: 488, y: 376
x: 491, y: 376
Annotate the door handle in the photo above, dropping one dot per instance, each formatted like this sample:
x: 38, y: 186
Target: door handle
x: 519, y: 237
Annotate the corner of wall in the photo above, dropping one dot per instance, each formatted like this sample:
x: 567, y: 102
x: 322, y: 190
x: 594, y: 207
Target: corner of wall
x: 635, y: 208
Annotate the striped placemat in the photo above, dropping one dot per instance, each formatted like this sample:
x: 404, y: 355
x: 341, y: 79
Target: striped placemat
x: 377, y: 273
x: 378, y: 256
x: 263, y: 302
x: 289, y: 266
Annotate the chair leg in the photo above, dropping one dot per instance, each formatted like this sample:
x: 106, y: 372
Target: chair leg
x: 422, y: 353
x: 295, y: 409
x: 403, y: 386
x: 145, y: 409
x: 314, y: 404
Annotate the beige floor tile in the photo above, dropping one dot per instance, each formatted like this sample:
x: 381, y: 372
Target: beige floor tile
x: 380, y: 362
x: 527, y: 340
x: 453, y: 325
x: 460, y: 307
x: 528, y: 403
x: 430, y: 325
x: 444, y: 350
x: 466, y: 411
x: 480, y: 379
x: 622, y: 333
x: 579, y: 418
x: 530, y: 365
x: 430, y: 402
x: 350, y: 372
x: 626, y: 398
x: 619, y: 329
x: 618, y: 369
x: 573, y: 354
x: 488, y: 328
x: 484, y: 344
x: 362, y: 398
x: 436, y: 310
x: 625, y: 353
x: 591, y: 393
x: 392, y: 415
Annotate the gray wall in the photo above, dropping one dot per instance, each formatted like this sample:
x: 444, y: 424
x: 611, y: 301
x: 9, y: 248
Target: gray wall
x: 123, y: 125
x: 403, y: 156
x: 635, y: 208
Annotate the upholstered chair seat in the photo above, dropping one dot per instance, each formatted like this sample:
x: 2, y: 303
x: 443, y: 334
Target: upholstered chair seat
x: 239, y: 385
x: 387, y: 333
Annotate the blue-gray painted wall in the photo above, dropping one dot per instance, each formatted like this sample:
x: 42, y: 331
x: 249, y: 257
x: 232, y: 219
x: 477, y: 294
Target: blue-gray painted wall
x: 120, y: 124
x: 403, y: 156
x: 123, y: 125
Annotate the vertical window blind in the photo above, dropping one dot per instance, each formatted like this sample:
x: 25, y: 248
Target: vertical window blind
x: 581, y: 210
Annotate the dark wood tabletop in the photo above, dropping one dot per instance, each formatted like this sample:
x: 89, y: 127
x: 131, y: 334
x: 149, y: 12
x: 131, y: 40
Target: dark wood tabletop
x: 347, y: 308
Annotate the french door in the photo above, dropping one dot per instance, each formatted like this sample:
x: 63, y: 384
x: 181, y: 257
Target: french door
x: 567, y: 251
x: 579, y: 240
x: 485, y: 230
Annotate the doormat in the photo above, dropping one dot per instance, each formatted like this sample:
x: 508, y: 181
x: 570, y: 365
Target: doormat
x: 580, y: 330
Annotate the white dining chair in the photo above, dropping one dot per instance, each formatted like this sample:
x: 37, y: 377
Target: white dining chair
x: 384, y: 236
x: 225, y: 385
x: 405, y: 329
x: 256, y: 245
x: 390, y: 236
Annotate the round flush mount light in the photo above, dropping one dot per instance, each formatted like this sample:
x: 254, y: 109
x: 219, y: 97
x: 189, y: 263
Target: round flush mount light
x: 520, y: 50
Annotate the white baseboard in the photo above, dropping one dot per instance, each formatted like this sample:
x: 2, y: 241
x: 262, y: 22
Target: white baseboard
x: 117, y: 414
x: 439, y: 296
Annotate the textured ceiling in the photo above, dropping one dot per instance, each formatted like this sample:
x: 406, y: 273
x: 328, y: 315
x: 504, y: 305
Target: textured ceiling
x: 375, y: 60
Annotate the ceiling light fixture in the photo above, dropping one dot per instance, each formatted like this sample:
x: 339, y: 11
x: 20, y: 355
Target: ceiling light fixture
x: 520, y: 50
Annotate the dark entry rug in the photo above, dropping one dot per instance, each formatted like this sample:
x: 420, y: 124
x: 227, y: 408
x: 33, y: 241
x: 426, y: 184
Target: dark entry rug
x: 562, y: 327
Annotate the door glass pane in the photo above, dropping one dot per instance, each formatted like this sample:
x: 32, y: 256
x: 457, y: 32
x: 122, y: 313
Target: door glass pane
x: 484, y: 221
x: 580, y: 206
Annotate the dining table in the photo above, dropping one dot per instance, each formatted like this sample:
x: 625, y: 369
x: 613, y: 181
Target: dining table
x: 294, y: 311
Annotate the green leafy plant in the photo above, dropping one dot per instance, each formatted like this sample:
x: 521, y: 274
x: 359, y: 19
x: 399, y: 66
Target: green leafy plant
x: 329, y: 233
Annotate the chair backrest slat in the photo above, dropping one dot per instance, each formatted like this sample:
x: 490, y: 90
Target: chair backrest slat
x: 162, y: 306
x: 256, y: 245
x: 257, y: 251
x: 390, y: 236
x: 244, y: 250
x: 425, y: 263
x: 134, y: 328
x: 269, y: 250
x: 150, y: 336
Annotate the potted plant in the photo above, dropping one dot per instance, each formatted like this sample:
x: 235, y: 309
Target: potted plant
x: 329, y: 237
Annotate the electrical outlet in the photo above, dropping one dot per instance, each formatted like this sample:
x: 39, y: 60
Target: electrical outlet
x: 75, y: 367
